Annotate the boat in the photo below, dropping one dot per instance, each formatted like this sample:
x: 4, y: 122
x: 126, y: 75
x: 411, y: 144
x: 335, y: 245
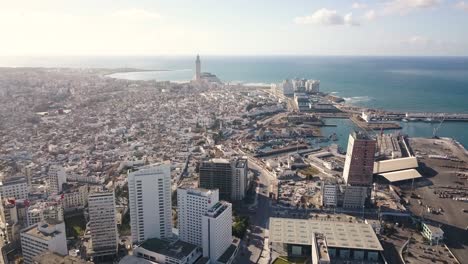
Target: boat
x: 404, y: 120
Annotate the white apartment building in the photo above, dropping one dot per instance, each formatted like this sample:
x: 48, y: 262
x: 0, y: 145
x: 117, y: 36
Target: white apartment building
x: 239, y: 182
x: 14, y: 187
x: 192, y: 205
x: 48, y: 235
x: 217, y: 231
x: 149, y: 191
x: 56, y: 177
x: 103, y: 223
x: 42, y: 211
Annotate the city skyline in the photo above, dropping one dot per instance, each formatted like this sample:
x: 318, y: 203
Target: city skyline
x: 388, y: 27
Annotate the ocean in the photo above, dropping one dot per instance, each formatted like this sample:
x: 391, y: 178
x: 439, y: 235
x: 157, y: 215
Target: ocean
x: 433, y: 84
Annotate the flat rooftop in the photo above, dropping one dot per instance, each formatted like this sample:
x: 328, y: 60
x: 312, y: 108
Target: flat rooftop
x: 395, y: 164
x: 337, y: 234
x: 396, y: 176
x: 177, y: 250
x: 49, y: 223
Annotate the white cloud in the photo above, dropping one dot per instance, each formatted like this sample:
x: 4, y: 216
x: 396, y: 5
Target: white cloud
x: 406, y: 6
x: 462, y: 5
x: 357, y: 5
x: 370, y: 15
x: 135, y: 13
x: 348, y: 19
x: 327, y: 17
x: 418, y: 40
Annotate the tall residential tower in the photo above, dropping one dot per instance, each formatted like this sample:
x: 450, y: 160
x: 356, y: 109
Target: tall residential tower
x: 103, y: 223
x: 193, y: 204
x: 149, y: 191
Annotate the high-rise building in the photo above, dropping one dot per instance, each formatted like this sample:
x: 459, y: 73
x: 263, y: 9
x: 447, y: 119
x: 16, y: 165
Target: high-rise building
x: 14, y: 188
x: 103, y: 223
x: 149, y: 191
x: 48, y: 235
x: 56, y: 178
x: 230, y: 177
x: 217, y: 174
x: 198, y: 69
x: 192, y: 205
x: 217, y: 230
x: 359, y: 163
x: 240, y: 169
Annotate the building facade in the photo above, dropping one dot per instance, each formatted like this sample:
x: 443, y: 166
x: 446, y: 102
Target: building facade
x: 149, y: 191
x: 359, y: 164
x: 14, y: 188
x: 75, y: 198
x: 240, y: 169
x: 56, y: 178
x: 217, y: 174
x: 103, y: 223
x: 192, y: 205
x: 42, y: 211
x: 330, y: 194
x: 217, y: 231
x: 45, y: 236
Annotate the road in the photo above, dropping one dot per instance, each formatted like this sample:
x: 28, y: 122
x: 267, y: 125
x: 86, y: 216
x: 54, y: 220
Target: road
x: 252, y: 246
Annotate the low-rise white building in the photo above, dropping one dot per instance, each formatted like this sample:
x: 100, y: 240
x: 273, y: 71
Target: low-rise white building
x: 434, y: 234
x: 42, y: 211
x: 48, y: 235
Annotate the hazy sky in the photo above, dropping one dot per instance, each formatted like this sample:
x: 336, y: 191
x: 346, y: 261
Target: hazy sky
x: 233, y: 27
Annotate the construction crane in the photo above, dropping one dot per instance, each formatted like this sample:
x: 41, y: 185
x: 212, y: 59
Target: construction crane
x: 436, y: 129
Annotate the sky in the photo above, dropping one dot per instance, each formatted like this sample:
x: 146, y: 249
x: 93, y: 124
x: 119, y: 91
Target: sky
x: 234, y: 27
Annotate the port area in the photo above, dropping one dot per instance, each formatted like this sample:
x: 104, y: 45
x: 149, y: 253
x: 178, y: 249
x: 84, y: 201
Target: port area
x: 440, y: 197
x: 358, y: 121
x: 405, y: 241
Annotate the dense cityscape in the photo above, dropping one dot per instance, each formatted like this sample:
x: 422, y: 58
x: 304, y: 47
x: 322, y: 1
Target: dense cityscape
x: 96, y: 169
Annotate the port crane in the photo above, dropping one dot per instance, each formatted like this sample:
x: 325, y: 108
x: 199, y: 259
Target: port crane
x: 436, y: 129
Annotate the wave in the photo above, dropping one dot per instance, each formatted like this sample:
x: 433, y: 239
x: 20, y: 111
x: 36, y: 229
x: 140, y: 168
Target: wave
x: 357, y: 99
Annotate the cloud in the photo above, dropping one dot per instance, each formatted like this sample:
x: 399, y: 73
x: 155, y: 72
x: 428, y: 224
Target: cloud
x: 135, y: 13
x: 348, y: 20
x: 462, y: 5
x: 418, y: 40
x: 370, y: 15
x: 357, y: 5
x: 328, y: 18
x: 406, y: 6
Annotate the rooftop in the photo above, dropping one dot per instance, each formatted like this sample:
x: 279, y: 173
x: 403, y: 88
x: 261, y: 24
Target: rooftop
x: 337, y: 234
x: 402, y: 175
x: 177, y: 250
x: 45, y: 230
x: 395, y: 164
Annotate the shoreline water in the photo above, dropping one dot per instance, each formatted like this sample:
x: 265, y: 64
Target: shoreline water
x: 412, y: 129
